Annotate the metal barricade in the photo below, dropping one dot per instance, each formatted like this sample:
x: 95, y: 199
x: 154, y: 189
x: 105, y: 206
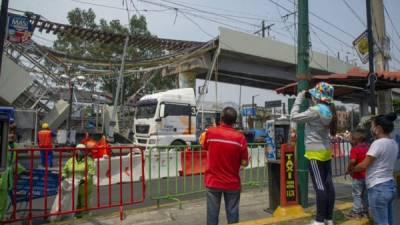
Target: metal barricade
x: 177, y: 171
x: 255, y: 174
x: 76, y: 184
x: 340, y: 156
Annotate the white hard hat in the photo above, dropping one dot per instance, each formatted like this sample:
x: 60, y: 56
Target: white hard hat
x: 81, y: 146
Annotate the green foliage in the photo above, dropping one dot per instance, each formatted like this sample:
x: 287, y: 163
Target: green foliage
x: 75, y: 46
x: 396, y: 105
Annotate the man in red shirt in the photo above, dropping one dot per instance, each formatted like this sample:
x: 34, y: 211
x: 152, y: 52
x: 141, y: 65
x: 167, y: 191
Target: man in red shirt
x: 358, y: 153
x: 227, y: 152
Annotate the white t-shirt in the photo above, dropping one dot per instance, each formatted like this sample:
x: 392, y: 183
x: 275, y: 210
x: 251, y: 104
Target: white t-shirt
x: 385, y: 151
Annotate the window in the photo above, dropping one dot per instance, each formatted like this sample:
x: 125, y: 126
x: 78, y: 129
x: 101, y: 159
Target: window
x: 146, y: 109
x: 177, y: 109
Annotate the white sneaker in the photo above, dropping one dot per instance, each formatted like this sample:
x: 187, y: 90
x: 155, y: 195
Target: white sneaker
x: 316, y: 223
x: 329, y: 222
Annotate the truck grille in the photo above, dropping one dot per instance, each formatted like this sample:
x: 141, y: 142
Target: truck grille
x: 142, y: 129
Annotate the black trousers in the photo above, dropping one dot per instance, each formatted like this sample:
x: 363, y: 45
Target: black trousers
x: 321, y: 175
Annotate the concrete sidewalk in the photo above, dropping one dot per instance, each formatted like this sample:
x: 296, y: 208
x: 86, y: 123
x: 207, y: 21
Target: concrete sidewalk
x: 252, y: 205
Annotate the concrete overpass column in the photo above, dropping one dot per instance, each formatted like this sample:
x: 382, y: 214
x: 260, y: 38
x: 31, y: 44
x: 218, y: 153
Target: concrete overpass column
x: 187, y: 80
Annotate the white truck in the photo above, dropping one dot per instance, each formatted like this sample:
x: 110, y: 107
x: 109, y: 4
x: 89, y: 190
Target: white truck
x: 166, y: 118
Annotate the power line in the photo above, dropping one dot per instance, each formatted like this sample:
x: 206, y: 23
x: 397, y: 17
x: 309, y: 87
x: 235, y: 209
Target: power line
x: 326, y: 21
x: 197, y: 25
x: 317, y: 27
x: 332, y: 36
x: 212, y: 13
x: 214, y: 20
x: 354, y: 13
x: 118, y: 8
x: 279, y: 12
x: 251, y: 16
x: 228, y: 16
x: 391, y: 22
x: 395, y: 31
x: 322, y: 42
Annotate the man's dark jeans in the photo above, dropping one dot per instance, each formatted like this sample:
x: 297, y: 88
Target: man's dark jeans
x: 231, y: 198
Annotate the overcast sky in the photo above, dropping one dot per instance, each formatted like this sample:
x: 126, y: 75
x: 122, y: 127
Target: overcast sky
x: 200, y: 23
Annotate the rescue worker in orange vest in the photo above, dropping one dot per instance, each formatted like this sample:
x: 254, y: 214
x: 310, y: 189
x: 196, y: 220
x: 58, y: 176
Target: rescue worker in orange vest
x: 45, y: 137
x: 102, y: 149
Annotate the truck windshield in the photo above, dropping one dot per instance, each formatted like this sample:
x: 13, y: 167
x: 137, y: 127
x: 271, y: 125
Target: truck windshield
x: 146, y: 109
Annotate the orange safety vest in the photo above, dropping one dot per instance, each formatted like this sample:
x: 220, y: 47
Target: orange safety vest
x: 45, y: 139
x: 102, y: 148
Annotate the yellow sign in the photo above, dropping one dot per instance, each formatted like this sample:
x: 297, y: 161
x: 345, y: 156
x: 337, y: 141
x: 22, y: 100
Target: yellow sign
x: 290, y: 184
x: 361, y: 46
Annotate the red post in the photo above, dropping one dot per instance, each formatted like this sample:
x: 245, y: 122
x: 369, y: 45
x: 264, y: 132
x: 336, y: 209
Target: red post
x: 143, y: 177
x: 98, y: 182
x: 86, y: 181
x: 30, y: 187
x: 73, y: 178
x: 109, y: 181
x: 46, y: 170
x: 120, y: 176
x: 131, y: 168
x: 15, y: 182
x: 289, y: 192
x: 121, y: 209
x: 59, y: 180
x: 121, y: 212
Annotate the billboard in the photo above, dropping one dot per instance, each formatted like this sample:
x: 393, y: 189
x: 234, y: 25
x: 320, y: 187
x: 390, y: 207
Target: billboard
x: 20, y: 29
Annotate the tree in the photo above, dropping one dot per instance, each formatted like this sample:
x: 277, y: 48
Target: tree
x: 75, y: 46
x: 396, y: 105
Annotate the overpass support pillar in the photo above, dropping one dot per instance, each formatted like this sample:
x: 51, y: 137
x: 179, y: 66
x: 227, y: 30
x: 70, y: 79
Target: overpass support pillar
x: 187, y: 80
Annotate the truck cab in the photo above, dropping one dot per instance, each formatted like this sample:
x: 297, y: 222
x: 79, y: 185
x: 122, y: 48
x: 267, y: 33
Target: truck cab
x: 166, y: 118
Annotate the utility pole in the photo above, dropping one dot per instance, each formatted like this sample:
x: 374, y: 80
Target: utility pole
x: 381, y: 58
x: 3, y: 28
x: 371, y: 76
x: 254, y: 109
x: 303, y: 76
x: 263, y: 28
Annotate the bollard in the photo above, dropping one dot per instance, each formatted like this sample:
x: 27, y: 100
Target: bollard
x: 289, y: 197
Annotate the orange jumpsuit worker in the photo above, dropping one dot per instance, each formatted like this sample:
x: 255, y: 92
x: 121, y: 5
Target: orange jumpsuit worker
x: 45, y: 137
x: 102, y: 149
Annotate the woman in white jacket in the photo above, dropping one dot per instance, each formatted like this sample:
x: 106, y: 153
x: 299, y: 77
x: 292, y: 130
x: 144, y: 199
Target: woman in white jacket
x: 320, y: 122
x: 380, y: 163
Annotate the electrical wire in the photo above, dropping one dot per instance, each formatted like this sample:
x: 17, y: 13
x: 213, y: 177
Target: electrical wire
x: 214, y: 20
x: 118, y: 8
x: 394, y: 28
x: 318, y: 28
x: 331, y: 35
x: 197, y: 25
x: 250, y: 16
x: 322, y: 19
x: 189, y: 9
x: 391, y: 22
x: 211, y: 13
x: 354, y: 13
x: 322, y: 42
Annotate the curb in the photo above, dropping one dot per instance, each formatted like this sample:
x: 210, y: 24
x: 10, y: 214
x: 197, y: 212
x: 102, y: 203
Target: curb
x: 358, y: 222
x: 275, y: 220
